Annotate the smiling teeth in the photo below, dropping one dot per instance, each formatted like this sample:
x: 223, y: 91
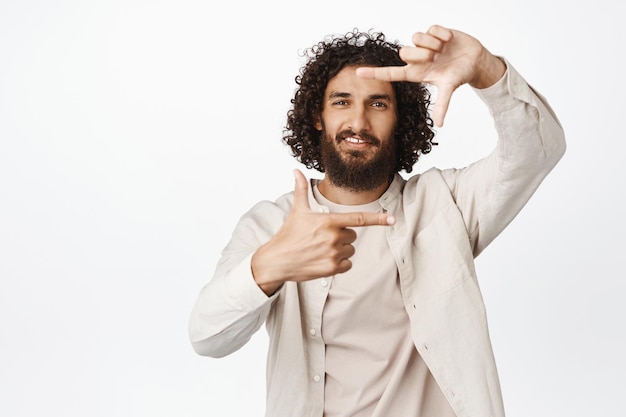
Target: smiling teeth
x: 355, y: 140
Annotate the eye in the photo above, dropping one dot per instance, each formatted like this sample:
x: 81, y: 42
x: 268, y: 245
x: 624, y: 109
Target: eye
x: 340, y: 103
x: 379, y: 104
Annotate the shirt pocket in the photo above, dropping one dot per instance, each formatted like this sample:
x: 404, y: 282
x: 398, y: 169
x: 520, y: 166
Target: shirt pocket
x: 441, y: 254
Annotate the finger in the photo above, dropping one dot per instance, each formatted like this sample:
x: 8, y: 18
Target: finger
x: 344, y: 266
x: 361, y: 219
x: 427, y: 41
x: 347, y: 236
x: 382, y: 73
x: 345, y: 252
x: 440, y: 107
x: 416, y: 55
x: 300, y: 191
x: 440, y: 32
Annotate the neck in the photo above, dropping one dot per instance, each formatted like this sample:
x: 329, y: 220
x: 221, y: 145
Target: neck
x: 348, y: 197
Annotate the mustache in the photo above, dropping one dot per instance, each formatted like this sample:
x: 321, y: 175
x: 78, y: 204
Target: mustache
x: 363, y: 135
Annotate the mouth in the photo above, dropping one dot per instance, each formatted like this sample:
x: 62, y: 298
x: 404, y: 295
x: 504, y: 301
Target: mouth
x: 355, y: 140
x: 358, y: 141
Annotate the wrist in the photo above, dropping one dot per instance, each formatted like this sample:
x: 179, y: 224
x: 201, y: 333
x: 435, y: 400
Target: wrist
x: 262, y: 276
x: 489, y: 71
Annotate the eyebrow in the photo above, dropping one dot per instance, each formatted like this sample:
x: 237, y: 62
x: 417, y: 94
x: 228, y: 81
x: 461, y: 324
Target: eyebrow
x: 380, y: 97
x: 338, y: 94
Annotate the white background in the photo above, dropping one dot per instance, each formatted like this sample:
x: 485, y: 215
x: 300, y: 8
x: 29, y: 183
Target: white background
x: 134, y: 134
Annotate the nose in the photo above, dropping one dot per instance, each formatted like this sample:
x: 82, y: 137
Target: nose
x: 359, y: 121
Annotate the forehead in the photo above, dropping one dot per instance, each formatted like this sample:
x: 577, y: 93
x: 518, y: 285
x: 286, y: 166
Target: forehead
x: 346, y: 81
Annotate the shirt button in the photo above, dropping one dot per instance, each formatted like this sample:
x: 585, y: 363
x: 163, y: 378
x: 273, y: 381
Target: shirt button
x: 317, y: 378
x: 312, y: 332
x: 324, y: 283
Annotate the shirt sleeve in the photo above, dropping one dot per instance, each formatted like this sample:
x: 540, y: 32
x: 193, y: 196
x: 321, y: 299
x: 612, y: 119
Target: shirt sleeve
x: 231, y: 307
x: 492, y: 191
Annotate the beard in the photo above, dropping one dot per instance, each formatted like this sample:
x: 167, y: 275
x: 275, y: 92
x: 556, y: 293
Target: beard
x: 357, y: 170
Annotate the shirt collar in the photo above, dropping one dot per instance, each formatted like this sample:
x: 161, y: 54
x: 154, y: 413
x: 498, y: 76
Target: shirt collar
x: 386, y: 199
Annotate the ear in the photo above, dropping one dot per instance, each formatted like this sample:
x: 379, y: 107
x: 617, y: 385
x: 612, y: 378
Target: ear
x: 318, y: 123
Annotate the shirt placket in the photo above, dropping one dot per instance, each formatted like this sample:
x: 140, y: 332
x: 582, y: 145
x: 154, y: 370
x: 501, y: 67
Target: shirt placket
x: 316, y: 294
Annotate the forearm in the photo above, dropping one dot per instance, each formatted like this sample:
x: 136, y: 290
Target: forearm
x: 232, y: 307
x: 227, y: 312
x: 531, y: 141
x: 529, y: 133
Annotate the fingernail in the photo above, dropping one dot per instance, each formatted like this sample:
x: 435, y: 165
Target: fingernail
x: 391, y: 220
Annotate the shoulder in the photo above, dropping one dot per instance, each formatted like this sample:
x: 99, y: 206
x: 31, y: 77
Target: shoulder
x: 260, y: 222
x: 431, y: 179
x: 269, y: 212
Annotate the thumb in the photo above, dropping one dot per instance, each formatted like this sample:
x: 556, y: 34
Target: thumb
x: 300, y: 191
x: 444, y: 92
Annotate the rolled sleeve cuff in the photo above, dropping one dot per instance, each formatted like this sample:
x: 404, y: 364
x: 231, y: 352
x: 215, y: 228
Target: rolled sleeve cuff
x: 506, y: 92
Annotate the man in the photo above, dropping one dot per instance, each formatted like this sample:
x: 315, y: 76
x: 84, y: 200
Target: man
x: 366, y: 281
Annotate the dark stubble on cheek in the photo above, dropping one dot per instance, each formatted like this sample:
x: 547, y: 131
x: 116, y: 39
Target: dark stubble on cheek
x: 354, y: 171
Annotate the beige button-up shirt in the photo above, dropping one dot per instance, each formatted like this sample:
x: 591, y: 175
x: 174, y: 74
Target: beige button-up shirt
x: 444, y: 219
x: 372, y: 368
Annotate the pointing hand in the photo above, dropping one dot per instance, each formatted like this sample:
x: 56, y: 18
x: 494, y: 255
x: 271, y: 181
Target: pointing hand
x: 310, y: 245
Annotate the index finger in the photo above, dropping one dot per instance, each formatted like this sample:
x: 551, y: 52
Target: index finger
x: 360, y: 219
x: 383, y: 73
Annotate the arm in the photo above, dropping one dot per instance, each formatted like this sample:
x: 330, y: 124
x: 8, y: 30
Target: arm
x: 490, y: 192
x: 272, y: 244
x: 231, y: 307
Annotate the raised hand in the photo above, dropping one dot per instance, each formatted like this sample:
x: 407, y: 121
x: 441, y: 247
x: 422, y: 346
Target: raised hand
x: 309, y: 245
x: 444, y: 58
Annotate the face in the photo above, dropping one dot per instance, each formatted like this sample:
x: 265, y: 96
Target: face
x: 357, y: 123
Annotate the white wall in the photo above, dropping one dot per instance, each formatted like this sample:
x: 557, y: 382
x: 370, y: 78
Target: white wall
x: 133, y: 134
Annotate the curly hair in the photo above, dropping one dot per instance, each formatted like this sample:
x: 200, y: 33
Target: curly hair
x: 414, y: 130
